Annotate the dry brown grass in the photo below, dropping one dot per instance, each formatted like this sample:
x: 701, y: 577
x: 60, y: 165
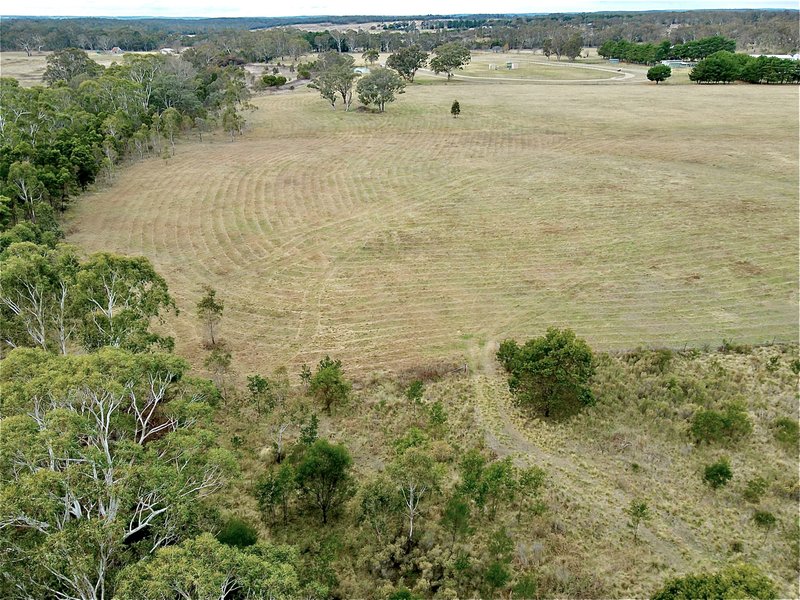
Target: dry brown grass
x: 29, y: 69
x: 590, y: 461
x: 636, y: 214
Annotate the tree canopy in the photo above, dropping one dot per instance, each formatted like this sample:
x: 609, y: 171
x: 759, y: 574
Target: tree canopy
x: 379, y: 87
x: 323, y: 476
x: 449, y: 57
x: 334, y: 77
x: 551, y: 374
x: 105, y: 455
x: 738, y: 581
x: 659, y: 73
x: 201, y: 568
x: 407, y: 61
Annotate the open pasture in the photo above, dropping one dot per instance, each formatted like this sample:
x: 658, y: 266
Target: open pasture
x: 530, y: 66
x: 637, y: 215
x: 29, y: 69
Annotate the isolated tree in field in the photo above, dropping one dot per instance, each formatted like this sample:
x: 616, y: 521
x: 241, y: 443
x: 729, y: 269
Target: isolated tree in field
x: 328, y: 384
x: 455, y: 109
x: 787, y: 432
x: 755, y: 489
x: 573, y: 46
x: 69, y: 63
x: 371, y: 56
x: 547, y: 47
x: 379, y: 87
x: 334, y: 77
x: 499, y: 484
x: 407, y: 61
x: 171, y: 126
x: 273, y: 81
x: 209, y: 311
x: 551, y: 374
x: 323, y: 477
x: 379, y: 504
x: 764, y: 519
x: 449, y: 57
x: 232, y: 121
x: 417, y: 476
x: 258, y: 388
x: 218, y: 362
x: 728, y: 426
x: 659, y: 73
x: 638, y: 512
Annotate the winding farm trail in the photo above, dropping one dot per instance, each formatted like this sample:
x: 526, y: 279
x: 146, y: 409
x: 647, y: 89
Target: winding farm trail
x: 595, y: 504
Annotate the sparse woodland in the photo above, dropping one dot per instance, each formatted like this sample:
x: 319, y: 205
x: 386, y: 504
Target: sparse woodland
x: 515, y: 468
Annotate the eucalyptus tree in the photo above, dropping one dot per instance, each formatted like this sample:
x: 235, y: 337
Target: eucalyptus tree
x: 106, y: 457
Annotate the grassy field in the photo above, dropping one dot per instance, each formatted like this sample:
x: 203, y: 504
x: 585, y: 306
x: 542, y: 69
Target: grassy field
x: 29, y: 69
x: 636, y: 214
x: 535, y: 67
x: 639, y: 215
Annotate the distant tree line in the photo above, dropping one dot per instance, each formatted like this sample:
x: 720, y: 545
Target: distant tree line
x: 769, y: 31
x: 648, y: 53
x: 727, y: 67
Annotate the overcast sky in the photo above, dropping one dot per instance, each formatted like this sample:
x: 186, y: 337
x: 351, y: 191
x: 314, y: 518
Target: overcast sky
x: 269, y: 8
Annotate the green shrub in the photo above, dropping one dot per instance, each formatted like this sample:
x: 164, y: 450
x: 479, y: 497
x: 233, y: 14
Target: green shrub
x: 764, y: 519
x: 273, y: 80
x: 708, y: 426
x: 755, y: 488
x: 739, y: 581
x: 526, y: 587
x: 718, y: 474
x: 787, y: 432
x: 437, y: 416
x: 402, y: 594
x: 731, y: 425
x: 238, y: 533
x: 729, y: 347
x: 497, y: 575
x: 773, y: 363
x: 413, y: 438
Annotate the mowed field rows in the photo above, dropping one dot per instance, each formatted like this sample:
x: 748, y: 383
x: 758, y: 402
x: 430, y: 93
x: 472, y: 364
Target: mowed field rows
x: 637, y: 215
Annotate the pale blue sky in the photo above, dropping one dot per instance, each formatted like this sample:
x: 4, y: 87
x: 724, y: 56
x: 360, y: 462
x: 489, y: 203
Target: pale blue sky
x: 262, y: 8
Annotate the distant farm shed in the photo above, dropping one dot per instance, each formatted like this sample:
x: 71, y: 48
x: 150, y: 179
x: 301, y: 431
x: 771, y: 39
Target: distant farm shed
x: 676, y: 64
